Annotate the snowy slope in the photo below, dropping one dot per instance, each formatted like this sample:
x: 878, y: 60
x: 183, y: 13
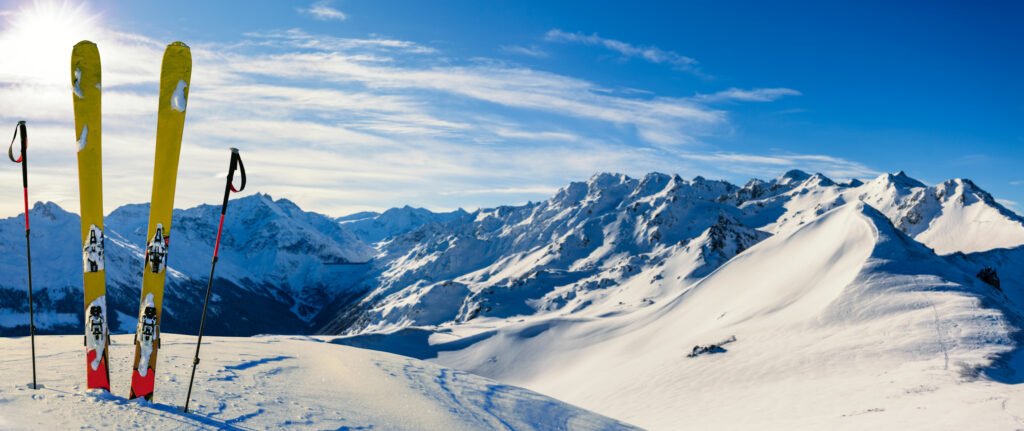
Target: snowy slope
x: 373, y: 227
x: 271, y: 383
x: 842, y: 323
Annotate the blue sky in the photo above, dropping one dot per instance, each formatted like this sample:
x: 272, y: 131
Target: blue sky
x: 352, y: 105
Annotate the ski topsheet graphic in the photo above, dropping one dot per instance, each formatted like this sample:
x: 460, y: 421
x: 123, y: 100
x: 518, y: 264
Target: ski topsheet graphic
x: 86, y: 89
x: 175, y: 75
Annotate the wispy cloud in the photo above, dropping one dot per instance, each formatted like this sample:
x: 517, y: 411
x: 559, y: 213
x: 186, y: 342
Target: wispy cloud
x: 342, y: 124
x: 296, y: 38
x: 321, y: 11
x: 754, y: 95
x: 536, y: 136
x: 1016, y: 183
x: 648, y: 53
x: 531, y: 51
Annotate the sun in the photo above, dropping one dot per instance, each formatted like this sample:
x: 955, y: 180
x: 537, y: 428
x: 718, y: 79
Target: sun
x: 37, y: 39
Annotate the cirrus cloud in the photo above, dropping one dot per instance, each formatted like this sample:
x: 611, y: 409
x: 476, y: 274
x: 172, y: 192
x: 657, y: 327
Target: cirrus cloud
x: 648, y: 53
x: 344, y: 124
x: 321, y: 11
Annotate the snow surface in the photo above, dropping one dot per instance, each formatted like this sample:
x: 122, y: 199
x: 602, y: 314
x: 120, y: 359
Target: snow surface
x: 269, y: 383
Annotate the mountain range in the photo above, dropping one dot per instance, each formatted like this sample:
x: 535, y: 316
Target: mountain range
x: 656, y: 287
x: 609, y: 244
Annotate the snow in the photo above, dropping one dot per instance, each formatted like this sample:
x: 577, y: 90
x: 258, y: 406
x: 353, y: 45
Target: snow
x: 178, y: 98
x: 579, y: 252
x: 842, y: 323
x: 372, y: 227
x: 270, y: 383
x: 949, y: 217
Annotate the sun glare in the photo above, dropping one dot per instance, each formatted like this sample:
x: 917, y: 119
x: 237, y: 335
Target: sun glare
x: 38, y: 38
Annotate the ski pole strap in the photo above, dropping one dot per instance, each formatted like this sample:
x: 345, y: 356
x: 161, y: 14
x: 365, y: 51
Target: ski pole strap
x: 236, y: 162
x: 24, y: 142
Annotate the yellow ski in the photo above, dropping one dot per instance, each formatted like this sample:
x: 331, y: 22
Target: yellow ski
x: 86, y: 91
x: 175, y: 75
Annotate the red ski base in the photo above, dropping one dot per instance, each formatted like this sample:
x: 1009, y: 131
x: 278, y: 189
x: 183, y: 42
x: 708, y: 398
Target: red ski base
x: 143, y: 386
x: 98, y: 378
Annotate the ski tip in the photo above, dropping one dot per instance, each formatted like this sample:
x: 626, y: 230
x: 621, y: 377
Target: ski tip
x: 84, y: 43
x: 177, y: 43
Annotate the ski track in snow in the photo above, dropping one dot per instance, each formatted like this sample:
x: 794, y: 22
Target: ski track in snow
x: 938, y: 331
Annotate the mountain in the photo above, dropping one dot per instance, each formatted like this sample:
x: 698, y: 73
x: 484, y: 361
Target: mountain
x: 271, y: 383
x: 955, y: 215
x: 362, y: 215
x: 594, y: 248
x: 778, y: 289
x: 841, y: 322
x: 600, y: 246
x: 372, y: 227
x: 611, y: 244
x: 276, y: 268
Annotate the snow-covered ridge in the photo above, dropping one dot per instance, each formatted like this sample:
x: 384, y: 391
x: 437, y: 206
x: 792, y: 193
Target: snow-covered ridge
x: 601, y: 246
x: 953, y: 216
x: 372, y: 227
x: 611, y: 244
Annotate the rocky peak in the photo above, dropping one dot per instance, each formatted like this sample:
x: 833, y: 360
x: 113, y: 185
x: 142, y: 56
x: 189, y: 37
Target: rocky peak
x: 792, y: 177
x: 818, y: 180
x: 899, y: 180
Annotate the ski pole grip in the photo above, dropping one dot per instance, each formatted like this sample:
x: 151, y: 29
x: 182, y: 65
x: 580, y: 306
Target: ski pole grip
x: 236, y: 162
x: 24, y: 143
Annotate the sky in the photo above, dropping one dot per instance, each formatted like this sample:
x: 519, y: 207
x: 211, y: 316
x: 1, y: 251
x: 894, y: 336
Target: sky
x: 351, y: 105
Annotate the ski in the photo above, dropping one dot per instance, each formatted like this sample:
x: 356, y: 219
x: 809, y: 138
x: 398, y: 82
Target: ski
x: 175, y: 75
x: 86, y: 91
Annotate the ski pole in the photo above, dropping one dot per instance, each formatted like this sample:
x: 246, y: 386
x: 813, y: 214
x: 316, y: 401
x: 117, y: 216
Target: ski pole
x: 236, y: 163
x: 23, y: 160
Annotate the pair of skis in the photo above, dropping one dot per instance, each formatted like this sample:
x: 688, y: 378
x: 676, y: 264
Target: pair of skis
x: 175, y: 75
